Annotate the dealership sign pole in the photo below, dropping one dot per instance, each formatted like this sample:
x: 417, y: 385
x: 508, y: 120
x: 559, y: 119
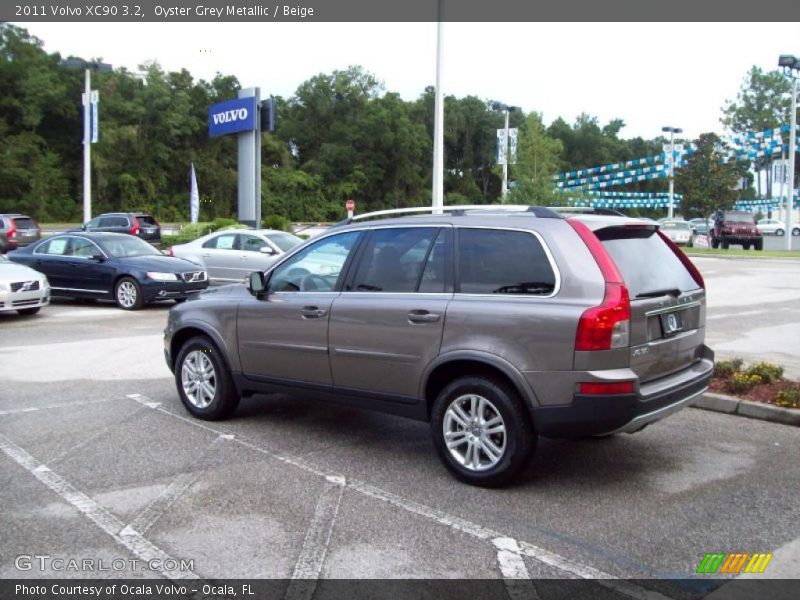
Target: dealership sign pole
x: 241, y: 116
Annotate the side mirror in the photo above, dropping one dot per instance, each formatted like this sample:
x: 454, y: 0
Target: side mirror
x: 98, y: 257
x: 266, y: 250
x: 257, y: 284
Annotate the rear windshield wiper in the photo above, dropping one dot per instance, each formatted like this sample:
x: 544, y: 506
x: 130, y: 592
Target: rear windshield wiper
x: 656, y: 293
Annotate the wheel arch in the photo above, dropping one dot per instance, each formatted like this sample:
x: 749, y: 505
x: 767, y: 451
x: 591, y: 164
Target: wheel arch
x: 194, y: 329
x: 458, y: 364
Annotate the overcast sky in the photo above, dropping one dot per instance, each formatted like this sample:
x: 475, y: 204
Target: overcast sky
x: 648, y: 74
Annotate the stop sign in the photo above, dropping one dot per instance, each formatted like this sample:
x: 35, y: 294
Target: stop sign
x: 350, y: 205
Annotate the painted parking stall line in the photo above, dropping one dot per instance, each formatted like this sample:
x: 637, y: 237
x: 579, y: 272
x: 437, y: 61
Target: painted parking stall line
x: 137, y: 544
x: 30, y: 409
x: 551, y: 559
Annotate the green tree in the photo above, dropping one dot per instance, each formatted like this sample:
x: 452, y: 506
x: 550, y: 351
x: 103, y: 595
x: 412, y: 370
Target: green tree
x: 707, y: 182
x: 538, y: 159
x: 763, y: 102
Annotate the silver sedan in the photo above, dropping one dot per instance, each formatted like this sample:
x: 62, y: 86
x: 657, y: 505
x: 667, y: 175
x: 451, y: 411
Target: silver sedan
x: 231, y: 255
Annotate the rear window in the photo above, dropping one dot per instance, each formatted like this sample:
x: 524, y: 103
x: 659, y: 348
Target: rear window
x: 114, y: 222
x: 495, y: 261
x: 647, y: 264
x: 146, y: 219
x: 25, y: 223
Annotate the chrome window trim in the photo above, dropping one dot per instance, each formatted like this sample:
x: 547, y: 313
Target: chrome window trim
x: 79, y: 290
x: 673, y: 308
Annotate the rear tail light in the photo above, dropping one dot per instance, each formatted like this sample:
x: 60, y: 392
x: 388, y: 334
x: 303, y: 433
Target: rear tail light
x: 600, y: 388
x: 606, y: 326
x: 12, y: 231
x: 685, y: 261
x: 170, y: 252
x: 134, y: 225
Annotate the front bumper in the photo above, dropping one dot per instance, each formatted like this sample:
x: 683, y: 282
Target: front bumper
x: 22, y: 300
x: 605, y: 414
x: 170, y: 290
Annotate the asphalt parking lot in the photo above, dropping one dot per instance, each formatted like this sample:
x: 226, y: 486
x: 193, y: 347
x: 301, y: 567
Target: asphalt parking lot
x: 100, y: 461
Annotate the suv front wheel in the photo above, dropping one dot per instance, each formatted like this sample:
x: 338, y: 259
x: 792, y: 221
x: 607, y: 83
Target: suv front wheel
x: 204, y: 382
x: 482, y: 431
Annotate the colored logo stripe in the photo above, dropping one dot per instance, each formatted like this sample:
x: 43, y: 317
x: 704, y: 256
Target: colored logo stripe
x: 719, y: 562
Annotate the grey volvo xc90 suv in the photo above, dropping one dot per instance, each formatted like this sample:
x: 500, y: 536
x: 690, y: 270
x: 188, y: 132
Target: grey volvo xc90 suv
x: 495, y: 325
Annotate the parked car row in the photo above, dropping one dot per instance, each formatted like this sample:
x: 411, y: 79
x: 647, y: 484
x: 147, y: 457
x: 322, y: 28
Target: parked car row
x: 21, y: 288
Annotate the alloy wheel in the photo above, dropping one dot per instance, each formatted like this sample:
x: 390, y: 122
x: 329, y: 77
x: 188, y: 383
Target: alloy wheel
x: 198, y: 379
x: 474, y: 432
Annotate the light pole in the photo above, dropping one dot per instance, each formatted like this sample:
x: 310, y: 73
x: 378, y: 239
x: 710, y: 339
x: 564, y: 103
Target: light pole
x: 438, y: 120
x: 79, y: 63
x: 791, y: 67
x: 672, y: 131
x: 497, y: 106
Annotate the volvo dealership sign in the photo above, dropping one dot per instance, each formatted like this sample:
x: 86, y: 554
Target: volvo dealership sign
x: 233, y: 116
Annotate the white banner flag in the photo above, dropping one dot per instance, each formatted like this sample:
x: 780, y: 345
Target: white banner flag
x: 194, y: 198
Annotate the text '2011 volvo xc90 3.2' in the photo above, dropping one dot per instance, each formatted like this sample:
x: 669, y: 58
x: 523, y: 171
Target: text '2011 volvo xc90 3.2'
x: 495, y: 324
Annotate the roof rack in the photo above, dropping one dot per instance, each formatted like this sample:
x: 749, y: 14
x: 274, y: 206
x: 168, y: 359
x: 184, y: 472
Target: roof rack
x: 462, y: 209
x: 589, y: 210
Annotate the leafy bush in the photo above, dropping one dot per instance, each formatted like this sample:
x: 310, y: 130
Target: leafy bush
x: 768, y: 372
x: 788, y: 399
x: 725, y: 368
x: 276, y: 222
x: 742, y: 382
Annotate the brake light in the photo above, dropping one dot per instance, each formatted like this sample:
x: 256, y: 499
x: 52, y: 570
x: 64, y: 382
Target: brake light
x: 134, y: 225
x: 170, y: 252
x: 12, y: 231
x: 685, y: 260
x: 606, y: 326
x: 599, y: 388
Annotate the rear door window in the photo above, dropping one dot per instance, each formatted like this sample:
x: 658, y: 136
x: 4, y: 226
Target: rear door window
x: 113, y: 222
x: 498, y: 261
x: 226, y: 241
x: 648, y: 265
x: 393, y: 259
x: 54, y: 247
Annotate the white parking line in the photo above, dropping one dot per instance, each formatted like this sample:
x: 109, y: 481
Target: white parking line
x: 468, y: 527
x: 315, y: 546
x: 140, y: 547
x: 517, y: 579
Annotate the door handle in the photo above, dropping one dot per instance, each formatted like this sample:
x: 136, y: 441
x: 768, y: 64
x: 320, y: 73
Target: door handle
x: 206, y: 255
x: 423, y: 316
x: 313, y: 312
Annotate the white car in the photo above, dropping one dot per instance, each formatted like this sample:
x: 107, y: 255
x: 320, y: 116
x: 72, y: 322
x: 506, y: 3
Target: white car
x: 678, y: 231
x: 21, y: 288
x: 771, y: 227
x: 231, y: 255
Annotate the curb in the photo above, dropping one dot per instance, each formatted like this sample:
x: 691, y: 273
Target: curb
x: 747, y: 408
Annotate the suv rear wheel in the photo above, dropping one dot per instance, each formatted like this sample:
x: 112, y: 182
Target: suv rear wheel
x: 481, y: 430
x: 204, y: 382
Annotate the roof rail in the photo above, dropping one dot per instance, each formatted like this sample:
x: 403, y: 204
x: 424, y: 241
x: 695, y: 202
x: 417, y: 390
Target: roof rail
x: 538, y: 211
x: 592, y: 210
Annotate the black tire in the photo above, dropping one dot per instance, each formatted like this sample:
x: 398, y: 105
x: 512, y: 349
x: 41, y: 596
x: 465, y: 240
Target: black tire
x: 779, y: 232
x: 758, y: 245
x: 225, y: 399
x: 725, y: 244
x: 518, y: 441
x: 746, y: 245
x: 796, y: 231
x: 714, y: 243
x: 128, y: 294
x: 179, y: 300
x: 29, y: 311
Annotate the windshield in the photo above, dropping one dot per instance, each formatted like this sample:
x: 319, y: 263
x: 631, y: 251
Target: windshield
x: 125, y: 246
x: 738, y: 217
x: 284, y: 241
x: 676, y: 225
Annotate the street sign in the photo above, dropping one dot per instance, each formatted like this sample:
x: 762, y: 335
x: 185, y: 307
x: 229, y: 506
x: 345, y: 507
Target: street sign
x: 94, y: 125
x: 350, y: 205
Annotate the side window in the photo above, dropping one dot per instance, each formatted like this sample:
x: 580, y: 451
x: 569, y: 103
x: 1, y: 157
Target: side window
x: 317, y: 268
x: 83, y: 248
x: 393, y: 259
x: 495, y: 261
x: 222, y: 242
x: 93, y: 223
x: 251, y: 243
x: 54, y: 247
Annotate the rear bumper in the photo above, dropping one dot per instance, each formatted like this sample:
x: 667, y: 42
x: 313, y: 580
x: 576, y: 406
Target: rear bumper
x: 605, y: 414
